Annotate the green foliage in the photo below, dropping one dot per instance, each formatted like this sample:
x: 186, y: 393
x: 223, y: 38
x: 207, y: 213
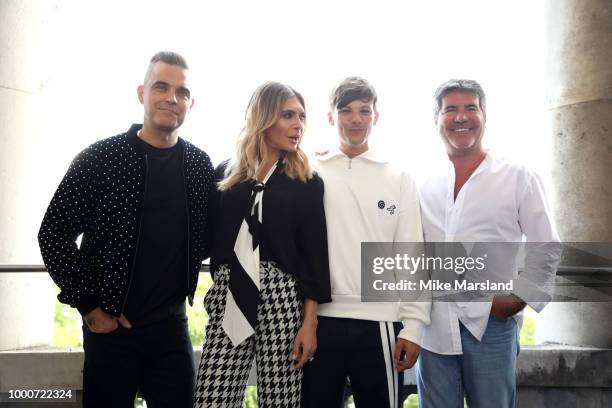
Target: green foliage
x: 196, y: 314
x: 250, y: 397
x: 67, y: 327
x: 412, y: 401
x: 527, y: 336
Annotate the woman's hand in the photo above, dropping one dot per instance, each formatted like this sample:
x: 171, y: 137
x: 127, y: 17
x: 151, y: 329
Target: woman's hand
x: 305, y: 342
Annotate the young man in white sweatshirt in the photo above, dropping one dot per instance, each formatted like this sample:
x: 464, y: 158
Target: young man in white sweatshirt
x: 366, y: 200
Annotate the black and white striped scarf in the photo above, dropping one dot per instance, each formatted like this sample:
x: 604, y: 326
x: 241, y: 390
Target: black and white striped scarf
x: 242, y: 297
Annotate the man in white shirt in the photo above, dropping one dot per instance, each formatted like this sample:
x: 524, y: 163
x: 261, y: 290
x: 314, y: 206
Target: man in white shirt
x: 365, y: 200
x: 470, y: 348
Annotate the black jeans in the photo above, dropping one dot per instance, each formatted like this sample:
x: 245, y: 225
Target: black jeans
x: 156, y: 359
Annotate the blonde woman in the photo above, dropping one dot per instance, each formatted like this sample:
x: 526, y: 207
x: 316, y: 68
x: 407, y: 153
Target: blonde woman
x: 269, y: 260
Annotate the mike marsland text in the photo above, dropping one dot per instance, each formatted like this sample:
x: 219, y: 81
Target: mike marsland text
x: 436, y: 285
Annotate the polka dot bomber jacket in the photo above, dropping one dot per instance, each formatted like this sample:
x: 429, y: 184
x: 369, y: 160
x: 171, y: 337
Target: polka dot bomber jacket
x: 101, y: 197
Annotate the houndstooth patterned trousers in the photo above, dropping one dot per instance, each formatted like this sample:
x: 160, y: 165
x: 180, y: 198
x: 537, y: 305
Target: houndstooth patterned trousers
x: 224, y: 370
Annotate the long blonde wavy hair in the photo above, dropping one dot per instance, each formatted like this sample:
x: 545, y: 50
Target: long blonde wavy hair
x: 262, y: 113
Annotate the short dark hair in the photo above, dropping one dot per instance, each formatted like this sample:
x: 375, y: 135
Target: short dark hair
x: 351, y: 89
x: 462, y: 85
x: 168, y: 57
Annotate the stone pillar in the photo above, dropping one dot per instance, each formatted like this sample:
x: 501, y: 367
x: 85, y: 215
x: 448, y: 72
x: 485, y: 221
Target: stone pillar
x: 26, y: 299
x: 580, y: 74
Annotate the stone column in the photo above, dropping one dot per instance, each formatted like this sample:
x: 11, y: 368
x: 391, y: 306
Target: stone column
x: 26, y: 299
x: 580, y: 74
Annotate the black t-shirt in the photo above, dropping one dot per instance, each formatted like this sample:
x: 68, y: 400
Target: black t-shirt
x: 159, y: 283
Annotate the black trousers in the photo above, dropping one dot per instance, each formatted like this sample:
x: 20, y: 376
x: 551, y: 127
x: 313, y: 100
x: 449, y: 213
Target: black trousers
x: 156, y: 359
x: 360, y: 350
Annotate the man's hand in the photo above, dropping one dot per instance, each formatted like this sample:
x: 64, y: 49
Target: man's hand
x: 506, y: 306
x: 411, y: 353
x: 99, y: 321
x: 304, y: 344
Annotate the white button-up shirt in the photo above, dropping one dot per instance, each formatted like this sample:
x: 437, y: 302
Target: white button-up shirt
x: 500, y: 202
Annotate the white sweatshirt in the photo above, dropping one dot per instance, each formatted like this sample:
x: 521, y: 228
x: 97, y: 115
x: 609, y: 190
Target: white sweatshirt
x: 355, y: 191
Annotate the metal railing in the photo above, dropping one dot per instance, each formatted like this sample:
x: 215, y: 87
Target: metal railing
x: 42, y: 268
x: 562, y: 271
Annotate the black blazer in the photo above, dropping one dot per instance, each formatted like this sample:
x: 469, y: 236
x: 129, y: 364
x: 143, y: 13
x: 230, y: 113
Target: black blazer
x: 294, y: 229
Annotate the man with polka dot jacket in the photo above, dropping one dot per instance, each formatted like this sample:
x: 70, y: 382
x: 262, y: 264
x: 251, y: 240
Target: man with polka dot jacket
x: 142, y: 201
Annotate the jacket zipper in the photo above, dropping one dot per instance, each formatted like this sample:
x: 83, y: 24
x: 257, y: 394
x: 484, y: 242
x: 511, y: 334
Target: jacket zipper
x: 144, y: 194
x: 349, y: 162
x: 189, y: 295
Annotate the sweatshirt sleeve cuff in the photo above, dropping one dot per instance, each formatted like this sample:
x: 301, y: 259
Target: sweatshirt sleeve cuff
x: 412, y: 331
